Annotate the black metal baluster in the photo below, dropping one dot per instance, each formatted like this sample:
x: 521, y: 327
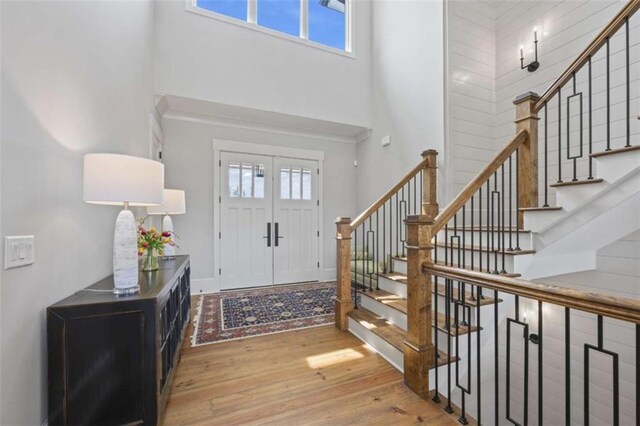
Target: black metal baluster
x: 415, y: 197
x: 560, y: 135
x: 637, y: 371
x: 574, y: 158
x: 502, y: 222
x: 355, y: 268
x: 377, y: 259
x: 480, y: 228
x: 385, y: 267
x: 628, y: 82
x: 616, y: 375
x: 398, y: 220
x: 449, y: 285
x: 403, y: 229
x: 421, y: 193
x: 540, y: 365
x: 608, y: 98
x: 567, y: 365
x: 518, y: 224
x: 489, y: 224
x: 510, y: 203
x: 496, y: 360
x: 546, y: 155
x: 408, y: 208
x: 478, y: 351
x: 472, y: 298
x: 436, y: 288
x: 365, y: 265
x: 590, y: 124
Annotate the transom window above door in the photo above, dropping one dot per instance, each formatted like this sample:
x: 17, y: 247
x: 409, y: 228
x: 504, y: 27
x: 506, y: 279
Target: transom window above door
x: 295, y: 183
x: 324, y: 23
x: 246, y: 180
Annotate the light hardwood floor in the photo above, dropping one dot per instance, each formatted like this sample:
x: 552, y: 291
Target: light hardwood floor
x: 318, y: 376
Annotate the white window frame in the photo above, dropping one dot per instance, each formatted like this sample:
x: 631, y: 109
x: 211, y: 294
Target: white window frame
x: 252, y: 23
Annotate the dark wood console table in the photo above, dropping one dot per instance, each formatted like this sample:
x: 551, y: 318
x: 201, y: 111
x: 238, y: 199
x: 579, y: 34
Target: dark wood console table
x: 112, y: 358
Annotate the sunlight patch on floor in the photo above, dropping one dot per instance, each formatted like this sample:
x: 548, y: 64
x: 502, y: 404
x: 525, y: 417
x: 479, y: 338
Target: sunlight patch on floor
x: 332, y: 358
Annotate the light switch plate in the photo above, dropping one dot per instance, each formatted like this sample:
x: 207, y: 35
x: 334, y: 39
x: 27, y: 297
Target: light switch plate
x: 19, y: 251
x: 386, y: 141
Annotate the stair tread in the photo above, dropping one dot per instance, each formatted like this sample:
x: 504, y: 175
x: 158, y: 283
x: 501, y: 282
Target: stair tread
x: 576, y: 182
x: 401, y: 278
x: 484, y: 249
x: 396, y: 302
x: 615, y: 151
x: 390, y: 333
x: 539, y: 209
x: 485, y: 228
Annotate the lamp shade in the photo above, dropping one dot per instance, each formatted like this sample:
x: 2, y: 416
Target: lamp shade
x: 114, y: 179
x: 173, y: 203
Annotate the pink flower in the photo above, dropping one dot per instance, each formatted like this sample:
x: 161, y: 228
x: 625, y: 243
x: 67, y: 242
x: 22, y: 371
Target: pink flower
x: 166, y: 234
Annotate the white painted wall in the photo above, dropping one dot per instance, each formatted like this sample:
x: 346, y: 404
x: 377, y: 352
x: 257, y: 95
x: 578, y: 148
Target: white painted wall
x: 189, y: 166
x: 203, y: 58
x: 407, y: 93
x: 470, y: 95
x: 76, y: 78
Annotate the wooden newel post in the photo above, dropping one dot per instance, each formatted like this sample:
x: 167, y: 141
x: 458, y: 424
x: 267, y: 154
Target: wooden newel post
x: 344, y: 303
x: 419, y: 353
x: 527, y: 119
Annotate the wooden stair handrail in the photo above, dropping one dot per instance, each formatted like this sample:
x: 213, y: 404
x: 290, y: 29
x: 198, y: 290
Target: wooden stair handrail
x: 375, y: 206
x: 621, y: 308
x: 465, y: 195
x: 609, y: 30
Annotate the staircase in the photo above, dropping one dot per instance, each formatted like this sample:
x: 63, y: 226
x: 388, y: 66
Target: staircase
x: 438, y: 292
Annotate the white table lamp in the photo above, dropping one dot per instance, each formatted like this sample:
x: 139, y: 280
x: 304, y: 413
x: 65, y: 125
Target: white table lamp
x: 113, y: 179
x: 174, y: 203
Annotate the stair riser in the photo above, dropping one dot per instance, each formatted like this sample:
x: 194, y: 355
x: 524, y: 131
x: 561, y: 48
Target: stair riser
x: 511, y: 262
x: 386, y: 350
x: 394, y: 287
x: 573, y: 196
x: 525, y: 238
x: 613, y: 167
x: 539, y: 220
x: 509, y: 259
x: 390, y: 353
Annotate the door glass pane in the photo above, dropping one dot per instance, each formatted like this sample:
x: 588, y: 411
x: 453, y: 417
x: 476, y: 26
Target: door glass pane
x: 234, y: 180
x: 295, y: 183
x: 247, y: 181
x: 327, y: 23
x: 233, y: 8
x: 280, y: 15
x: 285, y: 192
x: 306, y: 184
x: 258, y: 181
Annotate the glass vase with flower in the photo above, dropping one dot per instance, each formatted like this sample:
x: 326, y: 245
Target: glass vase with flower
x: 151, y: 244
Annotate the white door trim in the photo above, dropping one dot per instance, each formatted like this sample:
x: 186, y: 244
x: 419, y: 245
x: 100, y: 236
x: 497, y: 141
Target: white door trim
x: 220, y: 145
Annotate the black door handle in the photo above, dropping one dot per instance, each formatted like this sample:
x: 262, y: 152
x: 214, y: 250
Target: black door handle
x: 268, y: 237
x: 277, y: 236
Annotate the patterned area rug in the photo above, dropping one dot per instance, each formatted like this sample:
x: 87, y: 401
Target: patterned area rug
x: 255, y: 312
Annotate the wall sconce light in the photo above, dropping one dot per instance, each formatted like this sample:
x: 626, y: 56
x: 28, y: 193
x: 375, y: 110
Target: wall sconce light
x: 531, y: 67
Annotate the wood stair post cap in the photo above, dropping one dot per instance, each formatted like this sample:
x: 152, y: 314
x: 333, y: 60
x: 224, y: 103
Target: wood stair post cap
x: 527, y: 96
x: 343, y: 220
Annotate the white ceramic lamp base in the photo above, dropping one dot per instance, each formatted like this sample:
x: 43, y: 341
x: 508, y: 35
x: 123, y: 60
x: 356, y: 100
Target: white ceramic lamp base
x: 167, y: 225
x: 125, y: 254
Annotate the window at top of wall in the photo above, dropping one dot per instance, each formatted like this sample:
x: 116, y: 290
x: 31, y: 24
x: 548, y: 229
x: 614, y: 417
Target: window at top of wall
x: 322, y: 22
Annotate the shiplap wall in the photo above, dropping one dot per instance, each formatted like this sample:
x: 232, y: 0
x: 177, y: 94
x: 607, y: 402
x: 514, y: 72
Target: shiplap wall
x: 565, y: 28
x: 470, y: 106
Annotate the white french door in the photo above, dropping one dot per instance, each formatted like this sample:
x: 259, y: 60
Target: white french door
x: 268, y: 220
